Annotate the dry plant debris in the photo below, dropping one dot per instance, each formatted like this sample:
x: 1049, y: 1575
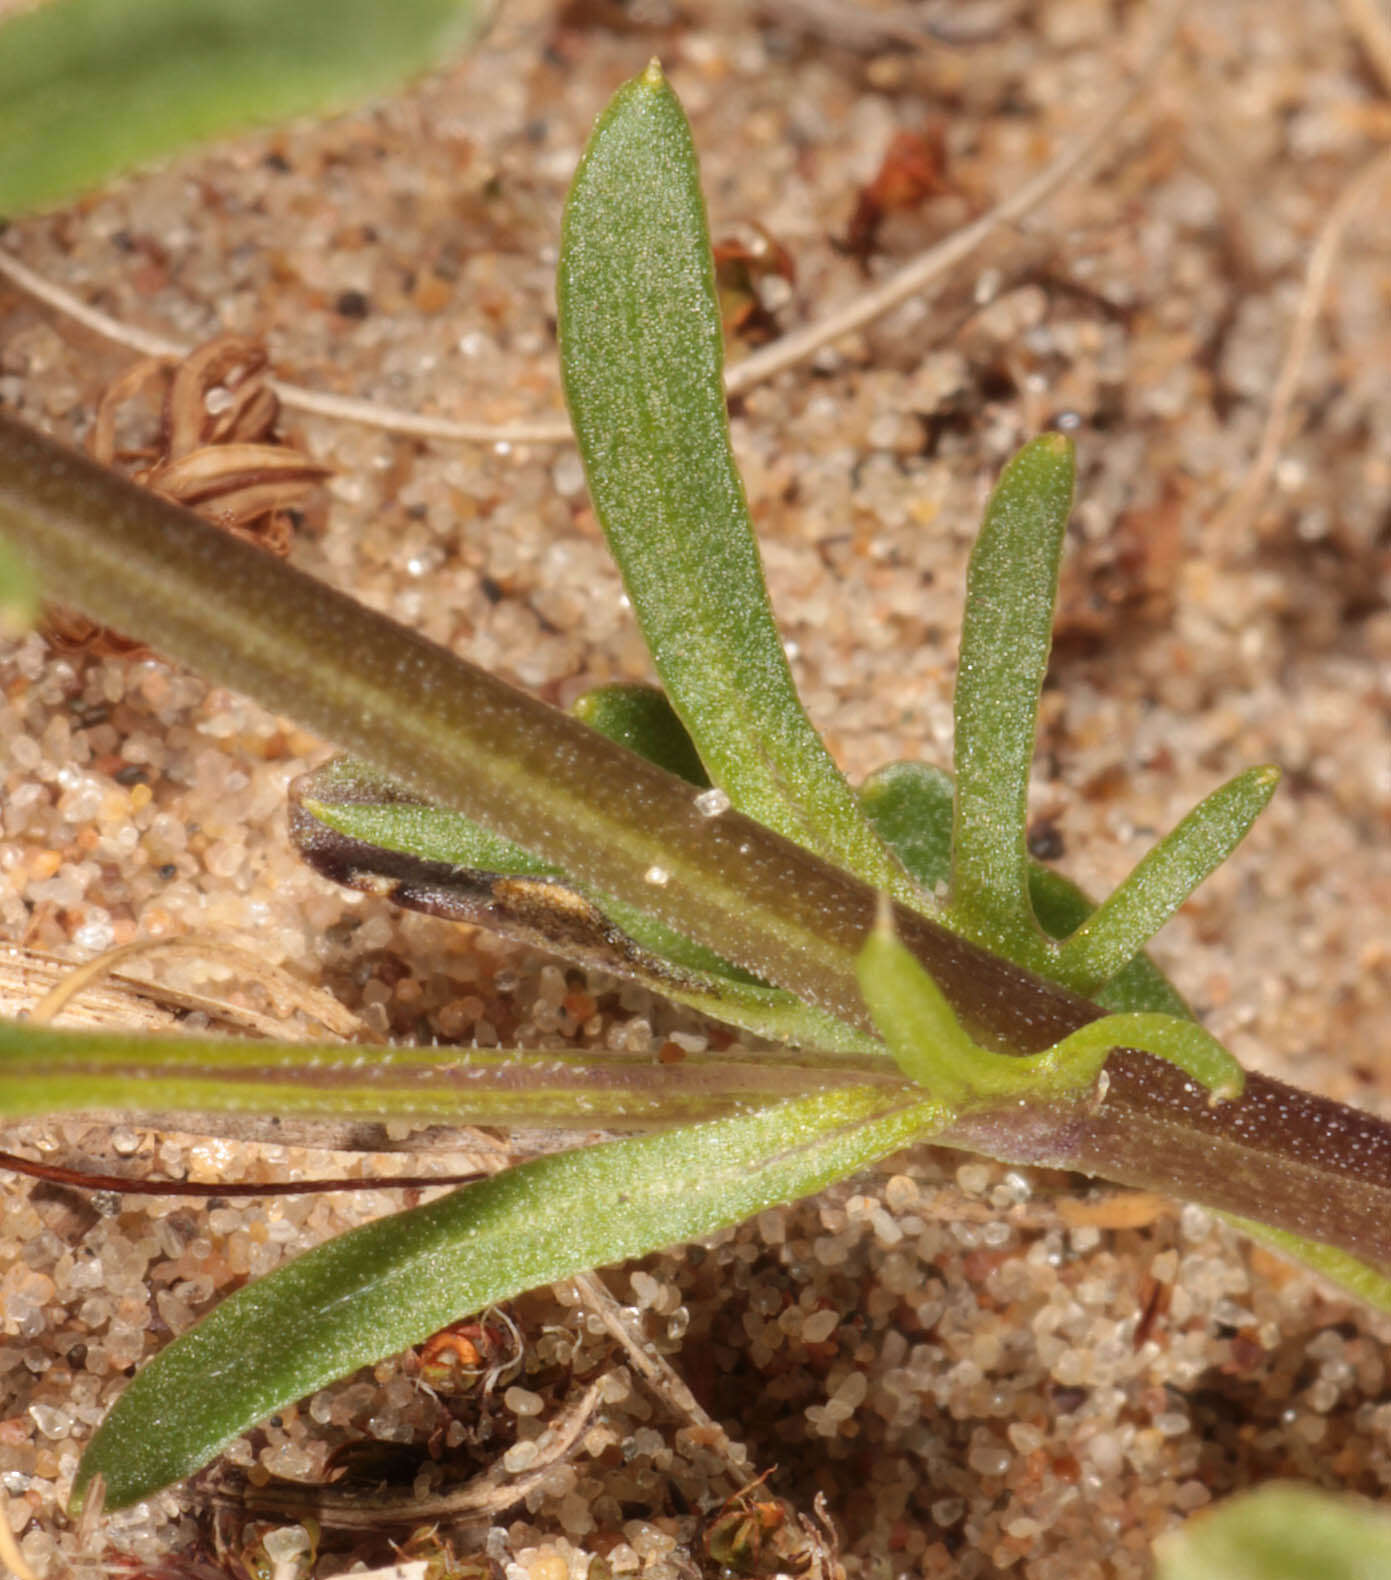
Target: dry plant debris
x: 913, y: 169
x: 216, y: 451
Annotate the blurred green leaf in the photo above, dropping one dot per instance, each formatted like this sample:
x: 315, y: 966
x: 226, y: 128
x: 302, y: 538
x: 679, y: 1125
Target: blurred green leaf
x: 1368, y: 1283
x: 392, y: 1283
x: 642, y: 357
x: 89, y: 88
x: 1281, y: 1531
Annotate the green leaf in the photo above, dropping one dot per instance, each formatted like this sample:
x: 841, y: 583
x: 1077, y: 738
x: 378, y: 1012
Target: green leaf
x: 1061, y: 906
x: 642, y: 719
x: 1367, y: 1283
x: 1006, y: 635
x: 911, y: 807
x: 642, y: 357
x: 1121, y: 926
x: 372, y: 808
x: 89, y: 88
x: 392, y: 1283
x: 1282, y: 1531
x: 926, y: 1039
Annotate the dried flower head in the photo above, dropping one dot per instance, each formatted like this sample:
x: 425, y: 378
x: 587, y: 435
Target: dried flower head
x: 215, y: 450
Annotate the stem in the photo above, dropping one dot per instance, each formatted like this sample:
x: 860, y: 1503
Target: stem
x: 1291, y: 1159
x: 467, y: 740
x: 615, y: 822
x: 45, y: 1071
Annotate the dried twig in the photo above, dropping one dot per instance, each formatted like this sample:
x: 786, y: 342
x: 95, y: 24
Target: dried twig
x: 852, y: 25
x: 127, y: 1185
x: 1242, y: 503
x: 931, y: 265
x: 660, y: 1375
x: 10, y: 1555
x: 392, y: 419
x: 483, y: 1498
x: 791, y: 349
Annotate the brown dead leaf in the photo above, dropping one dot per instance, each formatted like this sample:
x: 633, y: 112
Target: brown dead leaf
x: 744, y: 261
x: 913, y: 169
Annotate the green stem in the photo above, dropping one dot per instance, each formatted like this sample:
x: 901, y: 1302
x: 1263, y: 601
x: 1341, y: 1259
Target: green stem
x: 626, y: 828
x: 463, y: 738
x: 45, y: 1070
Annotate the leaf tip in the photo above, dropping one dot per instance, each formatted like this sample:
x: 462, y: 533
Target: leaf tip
x: 88, y: 1496
x: 652, y: 76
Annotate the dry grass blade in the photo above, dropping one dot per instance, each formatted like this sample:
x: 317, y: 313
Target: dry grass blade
x: 127, y: 1003
x: 1242, y: 504
x: 122, y: 1005
x: 287, y: 995
x: 1372, y: 25
x: 10, y: 1555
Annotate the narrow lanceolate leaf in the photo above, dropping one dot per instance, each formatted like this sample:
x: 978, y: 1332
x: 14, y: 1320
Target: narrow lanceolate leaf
x: 1121, y: 926
x: 1060, y: 907
x: 1006, y: 635
x: 391, y: 1284
x: 932, y: 1048
x: 47, y: 1070
x: 642, y: 357
x: 89, y: 88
